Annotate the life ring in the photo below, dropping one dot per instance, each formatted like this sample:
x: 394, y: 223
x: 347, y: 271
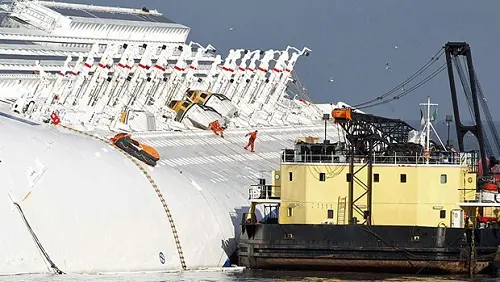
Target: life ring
x: 496, y: 199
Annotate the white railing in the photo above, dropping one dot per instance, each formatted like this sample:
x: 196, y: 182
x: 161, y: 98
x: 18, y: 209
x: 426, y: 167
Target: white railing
x: 99, y: 8
x: 261, y: 192
x: 447, y: 158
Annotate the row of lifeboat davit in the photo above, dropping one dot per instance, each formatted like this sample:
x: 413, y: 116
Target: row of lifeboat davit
x: 200, y: 108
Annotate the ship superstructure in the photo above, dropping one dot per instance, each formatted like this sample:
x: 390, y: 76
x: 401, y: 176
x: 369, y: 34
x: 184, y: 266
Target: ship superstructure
x: 97, y: 66
x: 73, y: 76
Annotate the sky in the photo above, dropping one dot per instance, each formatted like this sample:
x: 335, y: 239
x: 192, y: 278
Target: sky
x: 351, y: 42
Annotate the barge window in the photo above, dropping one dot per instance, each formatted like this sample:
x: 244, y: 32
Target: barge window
x: 330, y: 213
x: 443, y: 178
x: 442, y: 214
x: 322, y: 176
x: 290, y: 176
x: 290, y: 212
x: 403, y: 178
x: 376, y: 177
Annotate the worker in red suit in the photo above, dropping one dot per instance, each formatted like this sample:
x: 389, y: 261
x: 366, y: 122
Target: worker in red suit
x: 217, y: 128
x: 251, y: 140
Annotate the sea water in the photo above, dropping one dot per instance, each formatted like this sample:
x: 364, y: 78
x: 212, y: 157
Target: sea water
x: 237, y: 275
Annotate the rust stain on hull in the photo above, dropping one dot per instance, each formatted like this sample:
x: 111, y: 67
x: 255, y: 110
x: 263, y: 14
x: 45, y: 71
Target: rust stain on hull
x: 346, y: 264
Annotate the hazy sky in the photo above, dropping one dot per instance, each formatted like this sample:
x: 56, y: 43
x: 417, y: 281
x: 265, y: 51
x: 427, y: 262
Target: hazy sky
x: 351, y: 42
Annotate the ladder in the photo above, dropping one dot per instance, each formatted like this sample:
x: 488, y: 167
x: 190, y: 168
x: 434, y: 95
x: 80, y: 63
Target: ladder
x: 341, y: 210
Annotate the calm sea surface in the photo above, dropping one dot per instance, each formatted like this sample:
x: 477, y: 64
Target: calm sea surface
x: 237, y: 276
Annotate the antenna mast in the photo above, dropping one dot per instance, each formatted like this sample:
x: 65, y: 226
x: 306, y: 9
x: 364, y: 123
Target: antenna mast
x: 429, y: 126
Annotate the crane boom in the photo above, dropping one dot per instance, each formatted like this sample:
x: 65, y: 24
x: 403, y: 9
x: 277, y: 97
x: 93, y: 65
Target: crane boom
x: 455, y: 49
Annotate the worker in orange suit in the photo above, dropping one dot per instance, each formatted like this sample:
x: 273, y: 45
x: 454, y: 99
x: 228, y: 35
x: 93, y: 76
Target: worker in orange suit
x: 251, y: 140
x: 216, y: 128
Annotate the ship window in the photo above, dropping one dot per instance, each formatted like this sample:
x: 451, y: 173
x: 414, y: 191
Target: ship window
x: 376, y: 177
x: 322, y: 176
x: 290, y: 176
x: 442, y: 214
x: 290, y: 212
x: 203, y: 95
x: 443, y: 178
x: 179, y: 115
x: 330, y: 213
x: 402, y: 178
x: 172, y: 104
x: 185, y: 104
x: 348, y: 177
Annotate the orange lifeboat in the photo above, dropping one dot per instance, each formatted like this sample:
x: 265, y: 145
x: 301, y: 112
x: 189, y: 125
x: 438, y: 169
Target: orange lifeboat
x: 142, y: 152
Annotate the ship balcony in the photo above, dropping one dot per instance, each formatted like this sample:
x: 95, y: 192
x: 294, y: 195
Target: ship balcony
x: 343, y: 157
x: 262, y: 193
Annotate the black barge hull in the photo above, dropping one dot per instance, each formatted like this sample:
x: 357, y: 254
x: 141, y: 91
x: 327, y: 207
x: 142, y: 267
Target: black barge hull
x: 399, y: 249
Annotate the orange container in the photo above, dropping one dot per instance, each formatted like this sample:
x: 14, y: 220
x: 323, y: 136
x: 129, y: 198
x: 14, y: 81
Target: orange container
x: 342, y: 114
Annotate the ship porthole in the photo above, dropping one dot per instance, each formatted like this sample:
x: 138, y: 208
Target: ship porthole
x: 469, y: 180
x: 277, y: 177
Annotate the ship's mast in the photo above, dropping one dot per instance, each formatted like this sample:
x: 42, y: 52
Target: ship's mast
x: 427, y: 137
x: 429, y: 126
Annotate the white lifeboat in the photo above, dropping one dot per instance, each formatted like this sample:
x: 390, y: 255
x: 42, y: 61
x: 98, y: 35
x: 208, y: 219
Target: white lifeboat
x: 219, y: 102
x: 196, y: 115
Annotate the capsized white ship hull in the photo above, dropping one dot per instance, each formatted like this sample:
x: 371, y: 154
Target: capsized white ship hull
x: 94, y: 210
x: 87, y: 206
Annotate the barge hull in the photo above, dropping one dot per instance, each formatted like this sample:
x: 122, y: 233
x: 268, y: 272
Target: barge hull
x: 402, y: 249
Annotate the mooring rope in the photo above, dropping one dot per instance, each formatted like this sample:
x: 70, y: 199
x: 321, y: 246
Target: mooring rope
x: 37, y: 241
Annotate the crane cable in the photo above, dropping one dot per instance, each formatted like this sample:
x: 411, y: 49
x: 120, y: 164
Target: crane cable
x: 486, y: 111
x: 411, y: 89
x: 465, y: 85
x: 406, y: 81
x: 468, y: 95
